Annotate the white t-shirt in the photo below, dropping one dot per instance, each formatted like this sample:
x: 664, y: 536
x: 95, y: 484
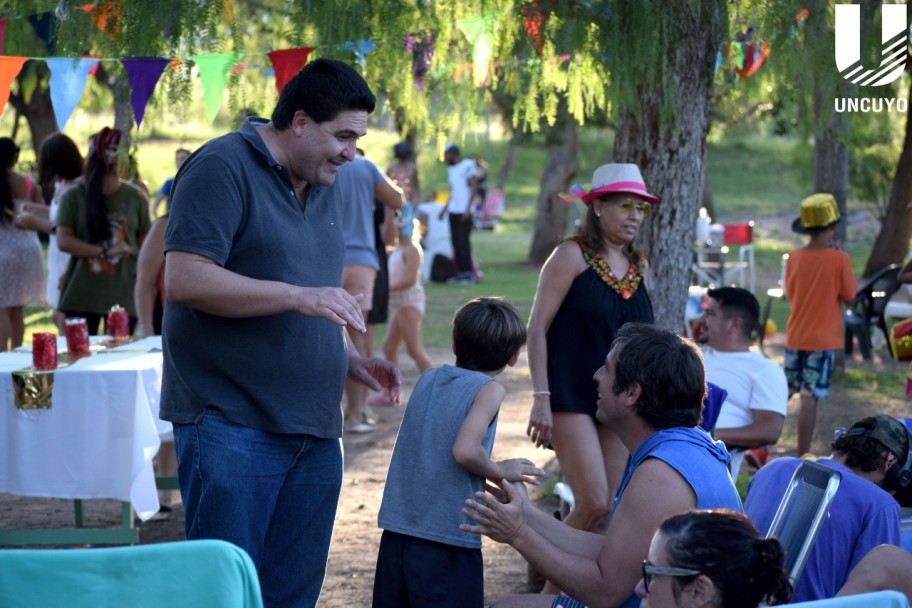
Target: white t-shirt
x: 753, y: 382
x: 460, y: 191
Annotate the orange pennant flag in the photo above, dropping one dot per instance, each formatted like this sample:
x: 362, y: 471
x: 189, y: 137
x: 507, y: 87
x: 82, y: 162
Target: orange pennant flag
x: 106, y: 16
x: 9, y: 69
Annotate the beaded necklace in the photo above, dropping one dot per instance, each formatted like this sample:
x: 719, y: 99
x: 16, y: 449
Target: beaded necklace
x: 626, y: 286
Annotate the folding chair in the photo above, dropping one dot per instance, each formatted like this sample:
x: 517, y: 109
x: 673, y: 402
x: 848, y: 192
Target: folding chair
x: 875, y: 599
x: 802, y: 511
x: 178, y: 575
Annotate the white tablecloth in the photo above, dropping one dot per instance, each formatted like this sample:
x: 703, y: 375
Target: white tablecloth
x: 100, y: 435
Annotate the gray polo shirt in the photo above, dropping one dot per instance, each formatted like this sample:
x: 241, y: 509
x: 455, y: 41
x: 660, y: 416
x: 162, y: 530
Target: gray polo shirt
x: 234, y: 204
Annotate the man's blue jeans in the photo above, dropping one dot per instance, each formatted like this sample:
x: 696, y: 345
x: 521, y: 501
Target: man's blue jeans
x: 273, y: 495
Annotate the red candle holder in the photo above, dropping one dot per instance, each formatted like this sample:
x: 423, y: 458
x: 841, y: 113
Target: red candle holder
x: 44, y: 351
x: 118, y: 324
x: 77, y: 336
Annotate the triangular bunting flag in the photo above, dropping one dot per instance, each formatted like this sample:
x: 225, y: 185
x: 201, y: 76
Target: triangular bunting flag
x: 287, y: 63
x: 143, y: 74
x: 479, y: 31
x: 68, y: 80
x: 361, y: 49
x: 2, y: 32
x: 106, y: 16
x: 213, y: 72
x: 227, y: 11
x: 45, y: 25
x: 532, y: 22
x: 9, y: 69
x: 421, y: 47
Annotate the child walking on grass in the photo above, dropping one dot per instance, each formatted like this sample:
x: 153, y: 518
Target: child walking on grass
x: 818, y: 279
x: 442, y: 457
x: 406, y: 295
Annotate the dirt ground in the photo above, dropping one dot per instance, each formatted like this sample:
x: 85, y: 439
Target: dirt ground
x: 354, y: 547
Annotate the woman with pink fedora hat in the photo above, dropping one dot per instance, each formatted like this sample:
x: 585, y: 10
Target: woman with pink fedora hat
x: 589, y: 287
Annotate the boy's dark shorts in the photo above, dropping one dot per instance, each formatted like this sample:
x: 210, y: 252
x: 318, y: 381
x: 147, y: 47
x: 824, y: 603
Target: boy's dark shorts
x: 809, y: 370
x: 416, y: 572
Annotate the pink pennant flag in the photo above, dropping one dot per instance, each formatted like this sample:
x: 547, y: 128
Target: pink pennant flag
x: 9, y: 69
x: 143, y: 74
x: 2, y: 32
x: 286, y: 63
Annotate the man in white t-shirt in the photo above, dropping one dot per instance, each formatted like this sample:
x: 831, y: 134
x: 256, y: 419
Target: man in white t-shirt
x: 463, y: 190
x: 754, y: 411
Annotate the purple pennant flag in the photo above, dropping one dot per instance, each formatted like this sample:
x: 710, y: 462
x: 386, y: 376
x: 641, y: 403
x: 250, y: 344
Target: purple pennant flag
x: 143, y: 74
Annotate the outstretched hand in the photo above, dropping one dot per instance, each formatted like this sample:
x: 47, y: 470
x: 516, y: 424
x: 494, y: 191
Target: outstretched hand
x: 521, y: 469
x: 376, y: 374
x: 498, y: 518
x: 333, y: 304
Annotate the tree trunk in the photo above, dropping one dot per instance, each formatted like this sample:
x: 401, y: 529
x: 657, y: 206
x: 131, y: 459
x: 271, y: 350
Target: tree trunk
x: 38, y: 111
x: 892, y: 241
x: 509, y: 161
x: 560, y: 168
x: 831, y: 155
x: 671, y: 157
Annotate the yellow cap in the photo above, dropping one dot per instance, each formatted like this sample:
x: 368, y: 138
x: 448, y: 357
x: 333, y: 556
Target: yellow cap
x: 819, y: 211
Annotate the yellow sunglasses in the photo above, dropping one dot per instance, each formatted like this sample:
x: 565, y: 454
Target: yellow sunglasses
x: 628, y: 205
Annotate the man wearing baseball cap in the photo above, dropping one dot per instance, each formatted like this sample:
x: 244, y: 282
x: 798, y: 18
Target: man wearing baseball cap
x: 818, y: 278
x: 874, y: 460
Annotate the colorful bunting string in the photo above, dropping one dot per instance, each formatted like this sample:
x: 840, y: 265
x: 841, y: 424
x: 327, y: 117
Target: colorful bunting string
x: 102, y: 15
x: 45, y: 26
x: 143, y: 74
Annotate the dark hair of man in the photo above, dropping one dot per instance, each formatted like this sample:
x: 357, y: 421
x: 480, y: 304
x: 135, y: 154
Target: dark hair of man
x: 738, y: 302
x: 322, y: 89
x: 487, y: 332
x: 589, y: 232
x: 58, y: 158
x: 8, y: 152
x: 669, y: 371
x: 865, y: 453
x: 725, y: 546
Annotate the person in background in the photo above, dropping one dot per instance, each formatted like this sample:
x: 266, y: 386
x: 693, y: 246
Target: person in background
x: 129, y: 173
x: 713, y: 559
x: 102, y: 222
x: 404, y: 172
x: 463, y: 190
x: 407, y: 297
x: 254, y: 350
x: 590, y: 286
x: 445, y: 442
x: 165, y: 191
x: 754, y: 411
x: 818, y: 279
x: 21, y: 260
x: 60, y: 164
x: 863, y: 514
x: 360, y: 183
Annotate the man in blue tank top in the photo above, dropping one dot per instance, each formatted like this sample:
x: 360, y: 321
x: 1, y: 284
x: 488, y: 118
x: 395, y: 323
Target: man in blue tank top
x: 651, y: 391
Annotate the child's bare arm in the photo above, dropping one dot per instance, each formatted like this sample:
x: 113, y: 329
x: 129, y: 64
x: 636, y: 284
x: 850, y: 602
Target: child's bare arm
x: 470, y: 454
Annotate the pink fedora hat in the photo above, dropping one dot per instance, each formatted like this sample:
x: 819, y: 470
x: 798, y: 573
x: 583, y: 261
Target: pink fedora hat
x: 617, y: 177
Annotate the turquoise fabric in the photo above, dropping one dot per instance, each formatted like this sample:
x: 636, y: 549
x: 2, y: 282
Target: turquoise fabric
x: 196, y: 573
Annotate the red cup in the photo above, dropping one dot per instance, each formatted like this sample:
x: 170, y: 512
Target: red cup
x: 77, y: 337
x: 118, y: 323
x: 44, y: 351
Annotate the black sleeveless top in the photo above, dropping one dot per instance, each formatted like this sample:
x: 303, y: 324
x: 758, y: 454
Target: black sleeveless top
x: 580, y: 337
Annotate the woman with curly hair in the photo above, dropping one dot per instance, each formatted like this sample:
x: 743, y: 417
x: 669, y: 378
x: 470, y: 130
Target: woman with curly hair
x: 101, y: 222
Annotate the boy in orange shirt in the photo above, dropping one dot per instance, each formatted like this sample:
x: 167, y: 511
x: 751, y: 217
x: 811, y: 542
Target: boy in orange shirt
x: 818, y: 279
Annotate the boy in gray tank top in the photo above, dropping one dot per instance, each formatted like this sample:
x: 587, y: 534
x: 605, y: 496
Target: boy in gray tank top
x: 443, y: 456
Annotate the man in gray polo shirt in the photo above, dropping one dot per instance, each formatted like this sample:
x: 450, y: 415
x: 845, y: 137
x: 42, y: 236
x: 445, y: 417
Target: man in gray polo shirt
x: 255, y: 354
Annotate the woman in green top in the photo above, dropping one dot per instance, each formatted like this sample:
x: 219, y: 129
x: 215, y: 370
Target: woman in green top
x: 101, y: 222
